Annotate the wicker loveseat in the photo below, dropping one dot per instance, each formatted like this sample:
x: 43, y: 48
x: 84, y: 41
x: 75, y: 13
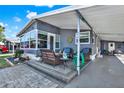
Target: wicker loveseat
x: 48, y: 56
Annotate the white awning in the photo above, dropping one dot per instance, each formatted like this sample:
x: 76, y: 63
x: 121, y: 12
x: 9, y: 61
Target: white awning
x: 107, y: 21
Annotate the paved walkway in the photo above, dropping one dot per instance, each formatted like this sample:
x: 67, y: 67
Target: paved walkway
x: 120, y: 57
x: 22, y: 76
x: 104, y: 72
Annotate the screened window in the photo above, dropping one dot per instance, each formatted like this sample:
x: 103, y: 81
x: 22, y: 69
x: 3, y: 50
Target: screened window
x: 42, y: 44
x: 32, y: 39
x: 42, y: 36
x: 27, y: 40
x: 57, y: 41
x: 42, y: 40
x: 32, y: 43
x: 23, y: 41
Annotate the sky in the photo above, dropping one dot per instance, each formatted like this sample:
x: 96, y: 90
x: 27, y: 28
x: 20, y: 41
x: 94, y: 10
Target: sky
x: 14, y: 17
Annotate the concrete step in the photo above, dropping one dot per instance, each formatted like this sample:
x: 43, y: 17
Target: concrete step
x: 57, y: 72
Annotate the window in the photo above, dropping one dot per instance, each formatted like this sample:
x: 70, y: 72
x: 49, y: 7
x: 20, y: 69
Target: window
x: 22, y: 41
x: 85, y: 37
x: 42, y: 36
x: 27, y: 40
x: 57, y: 41
x: 42, y: 40
x: 32, y: 43
x: 120, y: 45
x: 42, y: 44
x: 32, y: 39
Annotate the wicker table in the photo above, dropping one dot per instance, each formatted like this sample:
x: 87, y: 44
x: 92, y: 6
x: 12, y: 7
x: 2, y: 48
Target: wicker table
x: 64, y: 61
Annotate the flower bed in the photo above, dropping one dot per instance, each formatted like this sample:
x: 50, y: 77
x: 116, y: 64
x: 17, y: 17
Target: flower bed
x: 13, y: 60
x: 3, y: 62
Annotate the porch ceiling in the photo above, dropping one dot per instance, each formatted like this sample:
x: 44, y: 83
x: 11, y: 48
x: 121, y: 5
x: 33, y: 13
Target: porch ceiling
x: 107, y: 21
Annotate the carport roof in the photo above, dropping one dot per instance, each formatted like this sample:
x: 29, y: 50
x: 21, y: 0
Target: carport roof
x: 107, y: 21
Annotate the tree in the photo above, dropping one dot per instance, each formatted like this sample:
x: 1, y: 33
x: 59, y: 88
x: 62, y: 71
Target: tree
x: 2, y: 29
x: 2, y: 36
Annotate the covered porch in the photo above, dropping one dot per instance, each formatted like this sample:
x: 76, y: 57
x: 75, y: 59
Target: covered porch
x: 74, y: 31
x: 85, y: 25
x: 103, y: 22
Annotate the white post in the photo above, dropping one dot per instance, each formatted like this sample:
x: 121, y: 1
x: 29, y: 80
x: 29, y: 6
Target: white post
x: 9, y: 46
x: 78, y: 45
x: 13, y: 47
x: 36, y: 31
x: 36, y: 39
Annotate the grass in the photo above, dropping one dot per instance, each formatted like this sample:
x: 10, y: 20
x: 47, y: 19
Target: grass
x: 3, y: 63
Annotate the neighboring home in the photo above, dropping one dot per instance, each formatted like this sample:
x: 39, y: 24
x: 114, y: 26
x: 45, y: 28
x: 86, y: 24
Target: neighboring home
x: 98, y: 27
x: 1, y: 43
x: 117, y: 46
x: 12, y: 44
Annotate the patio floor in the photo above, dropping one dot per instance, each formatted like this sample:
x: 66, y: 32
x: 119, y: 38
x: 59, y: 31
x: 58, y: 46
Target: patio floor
x: 60, y: 72
x: 23, y: 76
x: 103, y: 73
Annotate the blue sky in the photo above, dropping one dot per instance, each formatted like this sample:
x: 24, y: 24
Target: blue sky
x: 13, y: 18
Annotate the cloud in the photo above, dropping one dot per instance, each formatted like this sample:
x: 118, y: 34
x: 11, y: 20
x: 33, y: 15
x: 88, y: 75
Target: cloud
x: 30, y: 14
x: 16, y: 27
x: 28, y: 11
x: 50, y: 6
x: 11, y: 36
x: 17, y: 19
x: 3, y: 24
x: 6, y: 25
x: 10, y: 33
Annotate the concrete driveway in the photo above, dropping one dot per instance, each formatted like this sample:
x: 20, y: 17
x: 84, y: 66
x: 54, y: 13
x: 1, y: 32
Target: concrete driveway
x: 107, y: 72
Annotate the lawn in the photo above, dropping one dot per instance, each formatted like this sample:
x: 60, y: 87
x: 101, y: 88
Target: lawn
x: 3, y: 63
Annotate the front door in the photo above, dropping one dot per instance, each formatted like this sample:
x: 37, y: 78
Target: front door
x: 51, y: 42
x: 111, y: 46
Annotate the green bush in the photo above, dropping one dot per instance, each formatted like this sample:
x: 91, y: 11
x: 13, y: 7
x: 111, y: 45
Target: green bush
x: 18, y: 53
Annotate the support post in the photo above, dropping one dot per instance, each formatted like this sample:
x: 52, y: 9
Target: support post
x: 36, y: 31
x: 9, y: 45
x: 78, y: 45
x: 13, y: 47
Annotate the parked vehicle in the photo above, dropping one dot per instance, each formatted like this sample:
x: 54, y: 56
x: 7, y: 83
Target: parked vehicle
x: 3, y: 49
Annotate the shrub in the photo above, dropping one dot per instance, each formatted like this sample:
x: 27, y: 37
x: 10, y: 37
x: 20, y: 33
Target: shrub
x: 19, y: 53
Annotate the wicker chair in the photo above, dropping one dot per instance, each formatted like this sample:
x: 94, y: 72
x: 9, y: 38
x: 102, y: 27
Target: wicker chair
x: 48, y: 56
